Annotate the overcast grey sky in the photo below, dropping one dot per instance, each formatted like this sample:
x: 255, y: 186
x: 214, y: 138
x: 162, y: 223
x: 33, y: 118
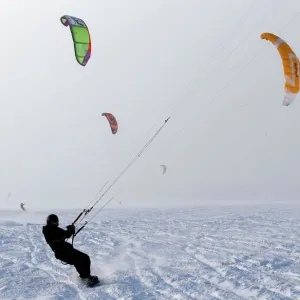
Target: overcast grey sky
x: 229, y: 139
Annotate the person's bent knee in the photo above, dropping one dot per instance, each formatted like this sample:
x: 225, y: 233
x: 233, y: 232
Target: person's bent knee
x: 86, y: 258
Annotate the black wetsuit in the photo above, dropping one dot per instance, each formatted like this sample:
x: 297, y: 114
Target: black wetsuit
x: 55, y: 237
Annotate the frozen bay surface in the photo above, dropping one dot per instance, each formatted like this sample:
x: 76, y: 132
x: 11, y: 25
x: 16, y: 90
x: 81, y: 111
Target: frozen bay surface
x: 210, y: 253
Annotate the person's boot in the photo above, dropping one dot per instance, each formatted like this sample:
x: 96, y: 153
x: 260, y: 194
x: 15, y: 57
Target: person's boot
x: 91, y: 280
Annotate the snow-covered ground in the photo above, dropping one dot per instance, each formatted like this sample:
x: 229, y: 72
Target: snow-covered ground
x: 200, y: 253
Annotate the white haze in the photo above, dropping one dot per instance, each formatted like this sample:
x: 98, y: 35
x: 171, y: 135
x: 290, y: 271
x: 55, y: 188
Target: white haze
x: 229, y: 139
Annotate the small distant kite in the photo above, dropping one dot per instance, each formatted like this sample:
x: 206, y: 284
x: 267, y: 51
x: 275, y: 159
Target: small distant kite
x: 164, y: 169
x: 112, y: 122
x: 8, y: 195
x: 23, y: 206
x: 81, y: 38
x: 290, y: 64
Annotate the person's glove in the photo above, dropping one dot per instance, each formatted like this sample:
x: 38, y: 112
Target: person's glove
x: 71, y: 228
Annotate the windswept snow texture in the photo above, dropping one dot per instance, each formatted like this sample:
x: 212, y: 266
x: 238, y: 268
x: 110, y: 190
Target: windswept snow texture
x: 197, y: 253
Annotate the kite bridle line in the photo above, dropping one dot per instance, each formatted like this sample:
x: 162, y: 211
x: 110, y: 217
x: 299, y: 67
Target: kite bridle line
x: 87, y: 211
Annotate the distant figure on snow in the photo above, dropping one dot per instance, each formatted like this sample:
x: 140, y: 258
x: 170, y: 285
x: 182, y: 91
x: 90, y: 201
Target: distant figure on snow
x: 23, y: 206
x: 55, y: 237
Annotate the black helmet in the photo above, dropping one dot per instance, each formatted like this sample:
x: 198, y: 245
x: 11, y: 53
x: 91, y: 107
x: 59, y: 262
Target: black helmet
x: 52, y: 220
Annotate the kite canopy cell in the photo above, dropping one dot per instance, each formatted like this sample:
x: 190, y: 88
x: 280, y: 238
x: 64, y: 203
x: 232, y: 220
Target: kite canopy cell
x: 112, y: 122
x: 290, y: 64
x: 81, y: 38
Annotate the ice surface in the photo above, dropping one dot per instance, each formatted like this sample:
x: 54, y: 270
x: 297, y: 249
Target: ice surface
x: 200, y: 253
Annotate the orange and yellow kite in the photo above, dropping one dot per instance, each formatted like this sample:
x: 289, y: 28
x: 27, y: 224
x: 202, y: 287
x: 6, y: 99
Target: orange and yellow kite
x: 290, y: 64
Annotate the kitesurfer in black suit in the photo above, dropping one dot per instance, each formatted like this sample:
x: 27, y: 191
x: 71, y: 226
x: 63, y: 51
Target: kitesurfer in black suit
x: 56, y: 238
